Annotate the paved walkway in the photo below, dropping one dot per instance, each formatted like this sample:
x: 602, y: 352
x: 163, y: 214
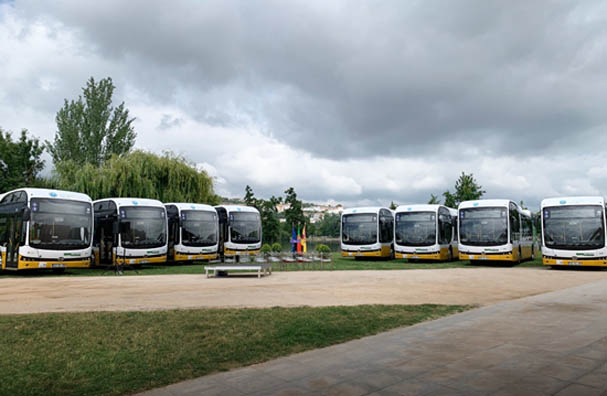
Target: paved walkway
x: 554, y: 343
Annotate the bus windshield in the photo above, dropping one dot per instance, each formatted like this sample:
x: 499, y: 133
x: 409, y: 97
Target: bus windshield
x: 60, y: 224
x: 145, y: 227
x: 576, y: 227
x: 359, y: 229
x: 198, y: 228
x: 246, y: 227
x: 483, y: 226
x: 416, y: 229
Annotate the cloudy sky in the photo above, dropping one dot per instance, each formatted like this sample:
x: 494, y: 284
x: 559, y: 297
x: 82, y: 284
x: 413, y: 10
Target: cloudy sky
x: 361, y: 102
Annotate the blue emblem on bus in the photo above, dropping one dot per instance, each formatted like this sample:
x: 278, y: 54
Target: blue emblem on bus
x: 563, y: 202
x: 135, y: 203
x: 408, y: 208
x: 193, y: 207
x: 475, y: 204
x: 52, y: 194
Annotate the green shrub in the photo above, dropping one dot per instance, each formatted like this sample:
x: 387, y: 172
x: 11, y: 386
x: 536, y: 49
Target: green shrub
x: 266, y: 248
x: 322, y: 248
x: 276, y: 247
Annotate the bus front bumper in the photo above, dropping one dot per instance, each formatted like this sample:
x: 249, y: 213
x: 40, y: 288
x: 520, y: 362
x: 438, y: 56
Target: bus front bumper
x: 574, y: 262
x: 38, y: 263
x: 141, y: 260
x: 364, y: 253
x: 193, y: 257
x: 229, y: 252
x: 487, y: 257
x: 420, y: 256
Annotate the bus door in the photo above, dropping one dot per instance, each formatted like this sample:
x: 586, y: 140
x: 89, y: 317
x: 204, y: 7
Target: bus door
x: 16, y: 234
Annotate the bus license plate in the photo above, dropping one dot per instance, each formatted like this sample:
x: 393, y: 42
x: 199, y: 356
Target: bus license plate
x: 58, y: 265
x: 482, y: 258
x: 414, y: 257
x: 574, y: 263
x: 144, y: 261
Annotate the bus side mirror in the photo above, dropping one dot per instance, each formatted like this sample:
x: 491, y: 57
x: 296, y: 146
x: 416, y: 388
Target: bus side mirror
x: 115, y: 227
x: 27, y: 214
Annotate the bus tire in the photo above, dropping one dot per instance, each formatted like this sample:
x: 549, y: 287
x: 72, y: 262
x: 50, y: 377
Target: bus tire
x: 450, y: 257
x: 58, y: 271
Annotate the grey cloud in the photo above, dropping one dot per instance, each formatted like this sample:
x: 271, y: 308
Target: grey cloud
x: 366, y: 78
x: 168, y: 121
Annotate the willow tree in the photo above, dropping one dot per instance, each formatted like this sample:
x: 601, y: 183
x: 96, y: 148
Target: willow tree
x: 168, y: 178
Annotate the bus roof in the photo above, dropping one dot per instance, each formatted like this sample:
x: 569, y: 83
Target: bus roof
x: 192, y: 206
x: 485, y: 203
x: 526, y: 212
x: 560, y: 201
x: 366, y: 209
x: 133, y: 202
x: 238, y: 208
x: 423, y: 208
x: 50, y: 193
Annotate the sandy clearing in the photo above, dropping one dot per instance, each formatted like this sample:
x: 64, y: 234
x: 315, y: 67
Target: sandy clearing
x: 480, y: 286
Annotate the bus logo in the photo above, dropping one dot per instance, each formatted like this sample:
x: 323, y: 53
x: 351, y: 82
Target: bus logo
x: 52, y: 194
x: 135, y: 203
x: 408, y: 208
x: 193, y: 207
x: 563, y: 202
x: 475, y: 204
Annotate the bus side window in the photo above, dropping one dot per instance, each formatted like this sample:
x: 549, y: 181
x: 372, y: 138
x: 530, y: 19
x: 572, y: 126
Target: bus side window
x: 514, y: 224
x: 444, y: 228
x: 3, y: 230
x: 386, y: 224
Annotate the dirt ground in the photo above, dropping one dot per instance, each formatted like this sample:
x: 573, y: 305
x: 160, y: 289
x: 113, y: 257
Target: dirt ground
x: 480, y: 286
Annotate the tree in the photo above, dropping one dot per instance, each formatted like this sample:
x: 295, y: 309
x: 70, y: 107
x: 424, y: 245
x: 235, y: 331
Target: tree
x: 329, y: 225
x: 20, y: 161
x: 90, y: 130
x: 393, y: 206
x: 249, y: 197
x: 466, y: 189
x: 270, y: 222
x: 294, y: 213
x: 168, y: 178
x: 269, y: 219
x: 433, y: 200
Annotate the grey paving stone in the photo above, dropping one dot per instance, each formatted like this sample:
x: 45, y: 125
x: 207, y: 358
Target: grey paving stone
x: 549, y: 344
x: 578, y: 390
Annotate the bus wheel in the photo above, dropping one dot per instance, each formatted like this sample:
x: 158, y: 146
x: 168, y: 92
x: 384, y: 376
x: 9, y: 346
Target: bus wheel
x: 450, y: 257
x: 58, y: 271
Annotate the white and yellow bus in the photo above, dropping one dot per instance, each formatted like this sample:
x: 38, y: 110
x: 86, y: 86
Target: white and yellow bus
x: 193, y: 232
x: 240, y: 230
x: 367, y: 232
x: 494, y: 229
x: 45, y: 229
x: 573, y: 231
x: 130, y: 231
x: 425, y: 232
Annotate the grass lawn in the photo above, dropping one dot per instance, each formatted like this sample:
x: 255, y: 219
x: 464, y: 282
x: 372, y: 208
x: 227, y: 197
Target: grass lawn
x: 339, y: 263
x: 115, y: 353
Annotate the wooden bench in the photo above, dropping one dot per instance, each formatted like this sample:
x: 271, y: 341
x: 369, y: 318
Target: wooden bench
x: 262, y: 269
